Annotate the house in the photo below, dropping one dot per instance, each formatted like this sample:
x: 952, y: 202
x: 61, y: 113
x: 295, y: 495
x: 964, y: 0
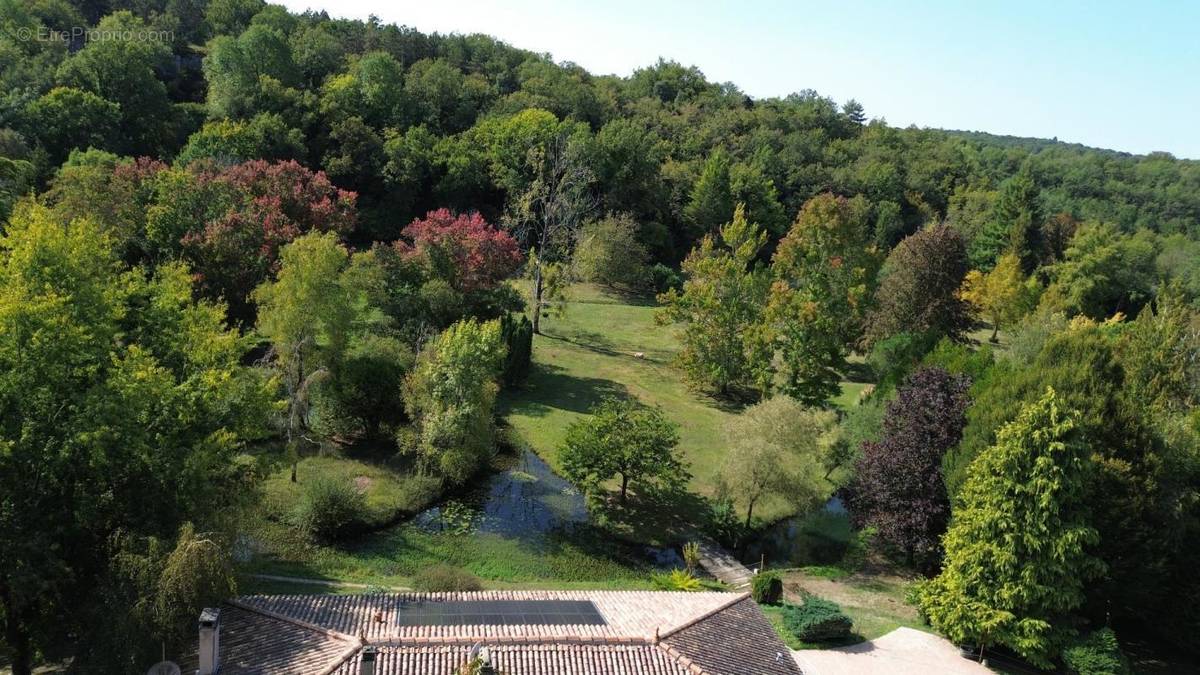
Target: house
x: 510, y: 632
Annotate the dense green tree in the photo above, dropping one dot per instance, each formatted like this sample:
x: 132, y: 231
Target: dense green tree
x: 265, y: 136
x: 65, y: 118
x: 720, y: 309
x: 609, y: 252
x: 623, y: 440
x: 124, y: 405
x: 451, y: 394
x: 711, y: 199
x: 1015, y: 225
x: 445, y: 99
x: 123, y: 72
x: 779, y: 449
x: 1103, y: 271
x: 235, y: 68
x: 823, y: 273
x: 306, y: 313
x: 1018, y: 551
x: 919, y: 289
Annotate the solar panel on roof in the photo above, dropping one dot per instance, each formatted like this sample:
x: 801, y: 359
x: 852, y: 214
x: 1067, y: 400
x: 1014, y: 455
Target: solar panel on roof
x: 499, y: 613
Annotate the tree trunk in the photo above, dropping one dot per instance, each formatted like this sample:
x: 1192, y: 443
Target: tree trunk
x: 995, y: 331
x: 624, y: 486
x: 17, y: 639
x: 537, y: 298
x: 749, y: 512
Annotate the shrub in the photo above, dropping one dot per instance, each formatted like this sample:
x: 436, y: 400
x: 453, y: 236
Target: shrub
x: 664, y: 278
x: 442, y: 578
x: 816, y: 620
x: 766, y: 588
x: 676, y: 580
x: 609, y: 252
x: 329, y: 508
x: 691, y: 556
x: 517, y: 334
x: 1098, y: 653
x: 724, y: 524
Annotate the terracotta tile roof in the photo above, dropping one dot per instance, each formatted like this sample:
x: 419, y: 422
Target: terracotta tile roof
x: 252, y: 642
x: 645, y: 633
x: 631, y: 614
x: 541, y: 659
x: 748, y: 644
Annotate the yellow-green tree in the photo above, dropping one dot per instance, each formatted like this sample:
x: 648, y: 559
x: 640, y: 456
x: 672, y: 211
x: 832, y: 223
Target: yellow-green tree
x: 1018, y: 556
x: 720, y: 309
x: 306, y: 314
x: 823, y: 271
x: 451, y: 394
x: 1002, y: 295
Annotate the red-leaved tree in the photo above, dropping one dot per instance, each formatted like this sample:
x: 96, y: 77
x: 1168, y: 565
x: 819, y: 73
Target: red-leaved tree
x: 463, y: 249
x: 273, y: 204
x: 898, y: 487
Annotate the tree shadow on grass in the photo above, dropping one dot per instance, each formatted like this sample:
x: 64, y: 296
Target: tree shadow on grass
x: 663, y: 518
x: 859, y: 372
x: 551, y: 388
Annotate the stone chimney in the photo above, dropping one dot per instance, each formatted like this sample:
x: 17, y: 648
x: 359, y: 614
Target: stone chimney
x: 366, y: 663
x: 210, y: 641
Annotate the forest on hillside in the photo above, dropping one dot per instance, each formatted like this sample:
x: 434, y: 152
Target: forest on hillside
x: 226, y: 225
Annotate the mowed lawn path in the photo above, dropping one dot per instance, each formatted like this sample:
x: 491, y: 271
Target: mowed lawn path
x: 590, y: 353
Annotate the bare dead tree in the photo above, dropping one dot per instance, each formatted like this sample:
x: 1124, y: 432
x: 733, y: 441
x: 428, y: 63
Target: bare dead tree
x: 548, y: 215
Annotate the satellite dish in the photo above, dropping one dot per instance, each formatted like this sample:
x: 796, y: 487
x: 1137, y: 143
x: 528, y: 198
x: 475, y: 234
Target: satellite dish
x: 164, y: 668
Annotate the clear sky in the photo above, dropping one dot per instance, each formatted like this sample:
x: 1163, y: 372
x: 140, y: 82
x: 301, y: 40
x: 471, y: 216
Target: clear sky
x: 1121, y: 75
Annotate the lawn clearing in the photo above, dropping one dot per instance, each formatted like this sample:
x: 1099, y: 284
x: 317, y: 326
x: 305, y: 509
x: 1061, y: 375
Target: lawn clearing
x: 592, y: 352
x: 874, y: 602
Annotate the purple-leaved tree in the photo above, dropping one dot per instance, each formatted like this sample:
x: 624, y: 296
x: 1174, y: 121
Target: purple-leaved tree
x: 898, y: 487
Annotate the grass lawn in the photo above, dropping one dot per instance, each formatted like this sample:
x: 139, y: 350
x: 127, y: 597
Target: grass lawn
x: 874, y: 602
x: 589, y: 353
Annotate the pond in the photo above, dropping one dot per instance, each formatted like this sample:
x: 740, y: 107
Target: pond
x: 818, y: 538
x: 527, y: 501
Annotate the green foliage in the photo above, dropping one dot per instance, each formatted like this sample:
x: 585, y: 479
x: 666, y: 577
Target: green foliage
x: 265, y: 136
x: 691, y: 556
x: 1098, y: 653
x: 919, y: 290
x: 306, y: 314
x: 711, y: 199
x: 624, y: 440
x: 1103, y: 272
x: 328, y: 508
x: 816, y: 620
x: 442, y: 578
x: 451, y: 394
x: 721, y: 307
x: 1003, y: 295
x: 823, y: 271
x: 363, y: 396
x: 663, y: 279
x: 100, y: 370
x: 69, y: 118
x: 1032, y: 483
x: 517, y: 334
x: 893, y: 358
x: 610, y: 253
x: 676, y: 580
x: 778, y: 449
x: 766, y: 588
